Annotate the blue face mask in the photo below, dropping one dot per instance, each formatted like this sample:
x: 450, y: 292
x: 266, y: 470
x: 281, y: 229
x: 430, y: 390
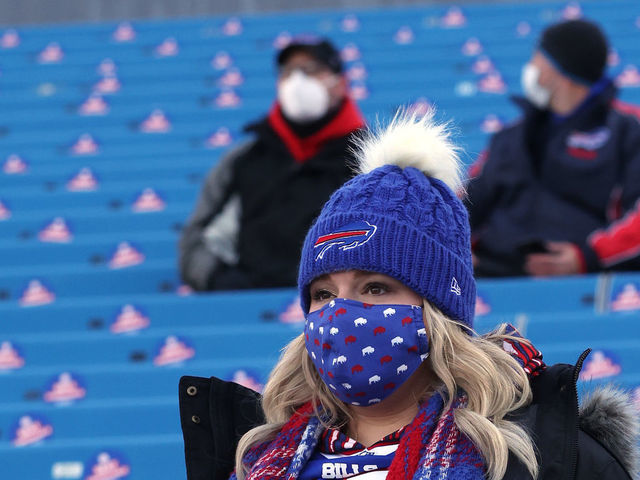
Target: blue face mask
x: 364, y: 352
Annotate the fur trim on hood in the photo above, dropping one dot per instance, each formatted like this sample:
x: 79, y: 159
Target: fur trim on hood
x: 608, y: 415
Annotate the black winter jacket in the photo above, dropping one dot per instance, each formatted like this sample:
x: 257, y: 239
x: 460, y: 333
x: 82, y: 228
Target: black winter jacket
x: 576, y: 181
x: 594, y: 443
x: 256, y: 206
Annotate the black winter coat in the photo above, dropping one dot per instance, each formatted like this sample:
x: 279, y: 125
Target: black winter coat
x: 254, y: 210
x: 214, y: 415
x: 541, y: 180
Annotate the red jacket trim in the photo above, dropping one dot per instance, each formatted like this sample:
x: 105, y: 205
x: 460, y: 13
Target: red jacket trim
x: 620, y: 241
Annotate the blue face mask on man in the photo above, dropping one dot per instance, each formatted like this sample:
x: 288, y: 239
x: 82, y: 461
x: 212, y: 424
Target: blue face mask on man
x: 364, y: 352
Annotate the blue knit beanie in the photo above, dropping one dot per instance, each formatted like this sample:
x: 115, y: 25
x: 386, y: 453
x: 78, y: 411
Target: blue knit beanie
x: 400, y: 217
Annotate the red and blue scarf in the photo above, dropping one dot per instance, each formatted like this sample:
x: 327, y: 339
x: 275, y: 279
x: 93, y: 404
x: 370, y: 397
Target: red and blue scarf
x: 431, y: 447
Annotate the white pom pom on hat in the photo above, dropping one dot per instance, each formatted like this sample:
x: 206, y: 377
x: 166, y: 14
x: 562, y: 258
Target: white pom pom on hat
x: 412, y: 141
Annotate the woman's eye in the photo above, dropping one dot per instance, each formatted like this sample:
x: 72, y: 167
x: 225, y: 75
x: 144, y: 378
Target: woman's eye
x: 376, y: 289
x: 319, y: 295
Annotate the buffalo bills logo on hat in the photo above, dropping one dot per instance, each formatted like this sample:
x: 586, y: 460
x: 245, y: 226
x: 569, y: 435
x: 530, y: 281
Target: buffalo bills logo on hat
x: 345, y: 238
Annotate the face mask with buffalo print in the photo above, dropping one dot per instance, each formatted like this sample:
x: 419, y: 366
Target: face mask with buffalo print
x: 364, y: 352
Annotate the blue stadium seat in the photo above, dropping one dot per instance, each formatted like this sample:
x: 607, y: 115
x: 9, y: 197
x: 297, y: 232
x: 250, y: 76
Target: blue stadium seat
x: 80, y: 339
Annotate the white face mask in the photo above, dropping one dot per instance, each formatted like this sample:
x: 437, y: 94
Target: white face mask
x: 536, y: 94
x: 303, y: 98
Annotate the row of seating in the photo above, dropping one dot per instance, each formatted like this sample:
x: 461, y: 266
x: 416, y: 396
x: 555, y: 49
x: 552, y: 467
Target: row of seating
x: 95, y: 326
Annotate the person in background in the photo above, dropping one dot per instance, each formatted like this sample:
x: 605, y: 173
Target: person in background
x: 257, y: 203
x: 388, y: 380
x: 556, y: 193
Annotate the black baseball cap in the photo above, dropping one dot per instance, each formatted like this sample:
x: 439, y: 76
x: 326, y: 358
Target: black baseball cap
x: 319, y: 48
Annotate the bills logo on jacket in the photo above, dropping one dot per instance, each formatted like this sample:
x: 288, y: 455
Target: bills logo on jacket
x: 350, y: 236
x: 64, y: 388
x: 107, y: 465
x: 626, y: 298
x: 31, y: 429
x: 601, y: 364
x: 583, y: 145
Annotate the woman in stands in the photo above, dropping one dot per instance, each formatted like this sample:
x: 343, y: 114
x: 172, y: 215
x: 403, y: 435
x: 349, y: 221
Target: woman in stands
x: 388, y: 379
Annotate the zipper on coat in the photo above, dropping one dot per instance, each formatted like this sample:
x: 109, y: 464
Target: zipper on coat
x: 574, y: 386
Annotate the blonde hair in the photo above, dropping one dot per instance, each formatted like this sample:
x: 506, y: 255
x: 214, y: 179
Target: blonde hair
x: 494, y: 382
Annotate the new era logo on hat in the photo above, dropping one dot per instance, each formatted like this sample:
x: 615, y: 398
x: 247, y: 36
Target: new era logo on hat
x: 455, y: 288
